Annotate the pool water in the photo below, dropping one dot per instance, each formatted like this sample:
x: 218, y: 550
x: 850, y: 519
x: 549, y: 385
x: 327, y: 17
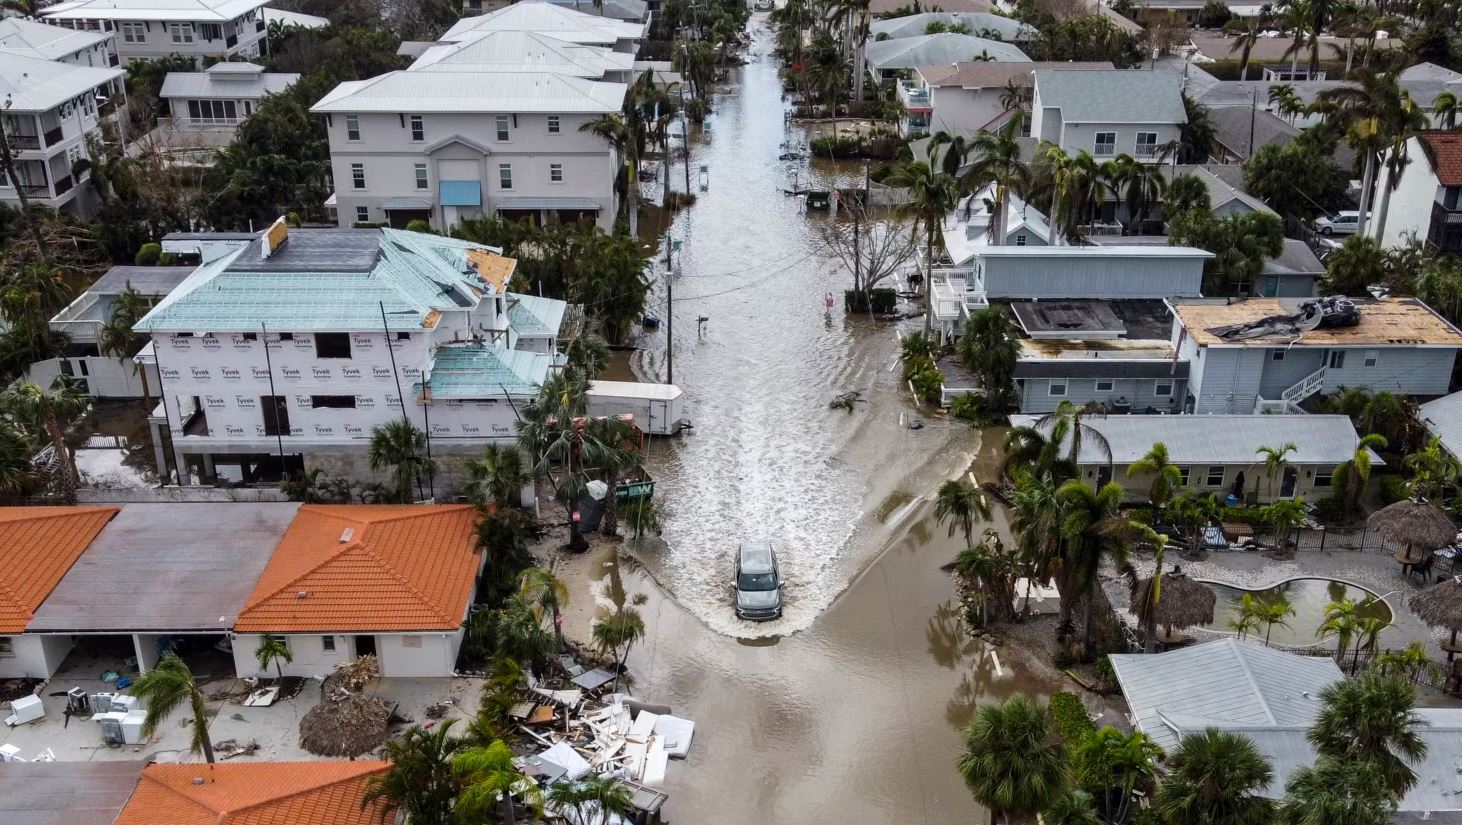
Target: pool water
x: 1308, y: 598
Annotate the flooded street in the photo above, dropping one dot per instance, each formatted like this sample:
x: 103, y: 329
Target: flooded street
x: 767, y: 458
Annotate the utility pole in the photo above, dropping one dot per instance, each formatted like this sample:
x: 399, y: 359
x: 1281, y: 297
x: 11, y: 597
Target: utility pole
x: 669, y: 312
x: 685, y: 121
x: 1253, y: 115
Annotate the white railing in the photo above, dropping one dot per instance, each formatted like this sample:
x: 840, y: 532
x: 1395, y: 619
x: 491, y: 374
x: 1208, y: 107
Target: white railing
x: 1305, y: 387
x: 1265, y: 406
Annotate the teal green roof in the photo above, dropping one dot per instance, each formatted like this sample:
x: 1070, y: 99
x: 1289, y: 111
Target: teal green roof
x: 484, y: 371
x: 534, y: 316
x: 413, y: 275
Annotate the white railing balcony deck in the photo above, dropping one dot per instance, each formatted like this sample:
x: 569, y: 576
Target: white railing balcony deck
x: 1269, y: 406
x: 1305, y: 387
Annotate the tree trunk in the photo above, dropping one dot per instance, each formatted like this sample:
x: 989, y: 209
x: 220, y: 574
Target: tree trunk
x: 58, y: 438
x: 929, y: 279
x: 1349, y: 54
x: 1002, y: 205
x: 1149, y: 627
x: 632, y: 191
x: 557, y: 624
x: 1368, y: 181
x: 1386, y: 195
x: 665, y: 161
x: 1086, y: 615
x: 200, y: 718
x: 611, y: 512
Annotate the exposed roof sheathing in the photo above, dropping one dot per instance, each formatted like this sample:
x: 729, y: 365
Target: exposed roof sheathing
x: 1383, y: 322
x: 66, y: 793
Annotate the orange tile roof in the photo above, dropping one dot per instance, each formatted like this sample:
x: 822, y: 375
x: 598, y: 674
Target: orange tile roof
x: 1444, y: 151
x: 367, y: 568
x: 254, y: 793
x: 37, y: 546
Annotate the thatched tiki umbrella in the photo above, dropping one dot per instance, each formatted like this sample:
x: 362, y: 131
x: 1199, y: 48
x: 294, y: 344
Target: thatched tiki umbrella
x: 1181, y: 602
x: 350, y: 725
x: 1441, y: 606
x: 1415, y: 525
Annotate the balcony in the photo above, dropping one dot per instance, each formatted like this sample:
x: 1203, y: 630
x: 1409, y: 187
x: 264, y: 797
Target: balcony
x: 259, y: 26
x: 231, y: 41
x: 35, y: 190
x: 63, y: 185
x: 53, y: 136
x: 913, y: 97
x: 1445, y: 230
x: 23, y: 142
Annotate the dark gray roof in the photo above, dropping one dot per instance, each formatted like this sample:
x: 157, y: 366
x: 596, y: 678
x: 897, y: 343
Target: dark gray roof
x: 1113, y: 95
x: 315, y: 250
x: 1100, y: 368
x: 1296, y: 259
x: 66, y: 793
x: 149, y: 280
x: 209, y: 236
x: 1232, y: 126
x: 167, y: 567
x: 1037, y: 317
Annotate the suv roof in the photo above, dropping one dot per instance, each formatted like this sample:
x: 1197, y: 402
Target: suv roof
x: 756, y: 557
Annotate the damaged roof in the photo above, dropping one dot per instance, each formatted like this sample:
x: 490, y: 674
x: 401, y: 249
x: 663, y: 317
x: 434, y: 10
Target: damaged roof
x: 1383, y: 322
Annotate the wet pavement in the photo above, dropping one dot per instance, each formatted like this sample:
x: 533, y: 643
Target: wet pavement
x: 767, y: 458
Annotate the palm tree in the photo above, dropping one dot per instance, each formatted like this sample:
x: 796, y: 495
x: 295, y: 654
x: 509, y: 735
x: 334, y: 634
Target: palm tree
x: 601, y: 795
x: 53, y: 409
x: 961, y: 503
x: 420, y: 781
x: 1248, y: 619
x: 1185, y: 192
x: 1445, y: 110
x: 1295, y: 19
x: 987, y: 565
x: 616, y: 634
x: 1368, y: 636
x: 1357, y: 471
x: 1071, y: 808
x: 1286, y: 101
x: 1035, y: 518
x: 998, y: 161
x: 16, y: 449
x: 497, y: 476
x: 1144, y: 185
x: 1273, y: 612
x: 1336, y: 792
x: 1412, y: 663
x: 1095, y: 528
x: 1373, y: 112
x: 1247, y: 36
x: 273, y: 649
x: 1340, y: 620
x: 400, y: 446
x: 1370, y: 719
x: 619, y: 453
x: 117, y: 338
x: 1165, y: 476
x: 1432, y: 469
x: 166, y: 688
x: 1037, y: 446
x: 932, y: 196
x: 1275, y: 459
x: 1118, y: 763
x: 1011, y: 762
x: 614, y: 131
x: 1070, y: 179
x: 989, y: 347
x: 489, y: 779
x: 1215, y: 778
x: 540, y: 587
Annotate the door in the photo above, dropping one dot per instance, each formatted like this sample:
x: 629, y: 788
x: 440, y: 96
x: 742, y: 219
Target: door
x: 1287, y: 484
x: 1104, y: 476
x: 365, y: 646
x: 399, y: 218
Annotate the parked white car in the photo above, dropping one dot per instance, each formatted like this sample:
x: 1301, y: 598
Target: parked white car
x: 1341, y: 223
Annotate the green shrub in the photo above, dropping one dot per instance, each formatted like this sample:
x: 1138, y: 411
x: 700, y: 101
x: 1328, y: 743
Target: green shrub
x: 928, y: 383
x: 1063, y: 659
x: 420, y: 225
x: 292, y: 219
x: 166, y: 259
x: 1106, y: 671
x: 1069, y: 717
x: 1394, y: 488
x: 149, y: 254
x: 977, y: 410
x: 884, y: 299
x: 1331, y: 509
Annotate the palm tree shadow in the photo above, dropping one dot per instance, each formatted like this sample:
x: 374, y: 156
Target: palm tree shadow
x: 949, y: 644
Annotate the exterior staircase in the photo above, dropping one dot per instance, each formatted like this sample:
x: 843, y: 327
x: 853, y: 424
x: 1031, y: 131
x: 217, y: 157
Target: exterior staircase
x: 1289, y: 401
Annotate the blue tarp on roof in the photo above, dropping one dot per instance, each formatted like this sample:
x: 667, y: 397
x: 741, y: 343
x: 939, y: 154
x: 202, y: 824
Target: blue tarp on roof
x: 461, y: 193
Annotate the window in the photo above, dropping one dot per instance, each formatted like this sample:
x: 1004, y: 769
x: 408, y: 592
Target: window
x: 1215, y: 477
x: 1020, y: 239
x: 1162, y: 389
x: 1372, y: 356
x: 502, y: 127
x: 286, y: 336
x: 213, y: 111
x: 362, y: 214
x: 1104, y: 385
x: 181, y: 32
x: 1183, y: 473
x: 1337, y: 359
x: 352, y: 127
x: 1277, y: 355
x: 403, y: 336
x: 1146, y: 144
x: 332, y: 345
x: 1324, y: 478
x: 276, y: 414
x: 73, y: 154
x: 327, y: 644
x: 357, y: 175
x: 210, y: 31
x: 332, y: 402
x: 553, y: 127
x: 555, y: 173
x: 505, y: 175
x: 134, y: 33
x: 422, y: 182
x: 1106, y: 144
x: 7, y: 648
x: 1057, y: 388
x: 418, y: 129
x: 251, y: 336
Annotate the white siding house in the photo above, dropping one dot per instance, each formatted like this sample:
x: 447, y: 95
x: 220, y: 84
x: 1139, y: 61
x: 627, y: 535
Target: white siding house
x: 207, y: 107
x: 145, y: 29
x: 1108, y: 112
x: 1427, y: 201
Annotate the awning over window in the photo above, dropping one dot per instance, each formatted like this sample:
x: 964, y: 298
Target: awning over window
x: 461, y: 193
x: 583, y: 204
x: 405, y: 203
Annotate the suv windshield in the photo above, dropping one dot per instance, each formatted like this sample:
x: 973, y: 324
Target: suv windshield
x: 756, y: 581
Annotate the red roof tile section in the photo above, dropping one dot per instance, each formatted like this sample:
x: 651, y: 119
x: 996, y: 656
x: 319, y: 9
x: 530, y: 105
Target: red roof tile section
x: 367, y: 568
x: 254, y: 793
x: 1444, y: 152
x: 38, y: 545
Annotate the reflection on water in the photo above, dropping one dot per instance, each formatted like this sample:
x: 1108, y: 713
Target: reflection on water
x: 1308, y: 598
x: 119, y: 452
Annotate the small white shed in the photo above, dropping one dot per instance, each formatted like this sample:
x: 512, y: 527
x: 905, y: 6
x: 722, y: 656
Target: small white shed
x: 657, y: 408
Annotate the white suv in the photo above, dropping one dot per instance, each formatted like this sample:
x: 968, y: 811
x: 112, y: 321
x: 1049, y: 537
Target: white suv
x: 1342, y: 223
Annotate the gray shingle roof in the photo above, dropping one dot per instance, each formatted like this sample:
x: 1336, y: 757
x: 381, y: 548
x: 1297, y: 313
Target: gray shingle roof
x: 1217, y: 439
x: 1222, y: 683
x: 149, y: 280
x: 1113, y: 96
x: 932, y: 49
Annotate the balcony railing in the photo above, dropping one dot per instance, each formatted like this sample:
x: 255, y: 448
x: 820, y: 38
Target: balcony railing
x: 53, y: 136
x: 231, y: 41
x: 21, y: 142
x: 114, y: 60
x: 36, y: 190
x: 63, y: 185
x: 259, y: 26
x: 1441, y: 214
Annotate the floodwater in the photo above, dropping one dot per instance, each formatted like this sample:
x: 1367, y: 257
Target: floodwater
x: 767, y: 459
x: 1308, y: 598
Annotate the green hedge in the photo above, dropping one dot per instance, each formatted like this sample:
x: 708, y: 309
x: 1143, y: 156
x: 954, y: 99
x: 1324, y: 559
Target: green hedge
x: 1069, y: 717
x: 1394, y: 488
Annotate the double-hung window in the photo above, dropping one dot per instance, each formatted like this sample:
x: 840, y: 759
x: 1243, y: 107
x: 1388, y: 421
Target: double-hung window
x: 1106, y: 144
x: 1215, y: 476
x: 363, y: 214
x: 422, y: 180
x: 1056, y: 388
x: 502, y: 127
x: 181, y: 32
x: 1184, y: 472
x: 418, y: 129
x: 505, y: 175
x: 357, y: 175
x: 352, y: 127
x: 1337, y: 359
x: 133, y: 32
x: 1146, y: 144
x: 553, y: 126
x: 555, y: 173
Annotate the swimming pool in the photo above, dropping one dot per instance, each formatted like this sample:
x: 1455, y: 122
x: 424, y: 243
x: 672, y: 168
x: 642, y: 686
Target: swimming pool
x: 1308, y: 598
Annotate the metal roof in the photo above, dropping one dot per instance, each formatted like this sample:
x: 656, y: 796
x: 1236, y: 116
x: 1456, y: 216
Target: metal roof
x: 523, y: 51
x: 1443, y: 418
x: 294, y: 18
x: 1216, y: 439
x: 199, y: 11
x: 548, y: 18
x: 66, y: 793
x: 1113, y: 251
x: 166, y: 567
x: 478, y: 371
x: 148, y: 280
x: 213, y: 83
x: 474, y: 91
x: 534, y: 316
x: 335, y: 280
x: 633, y: 11
x: 1223, y: 682
x: 1113, y: 95
x: 635, y: 389
x: 31, y: 38
x: 933, y: 49
x: 30, y: 84
x: 914, y: 25
x: 547, y: 203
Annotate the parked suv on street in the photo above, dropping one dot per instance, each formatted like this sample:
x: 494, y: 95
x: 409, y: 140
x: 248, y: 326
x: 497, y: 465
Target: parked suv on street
x: 1341, y: 223
x: 758, y: 583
